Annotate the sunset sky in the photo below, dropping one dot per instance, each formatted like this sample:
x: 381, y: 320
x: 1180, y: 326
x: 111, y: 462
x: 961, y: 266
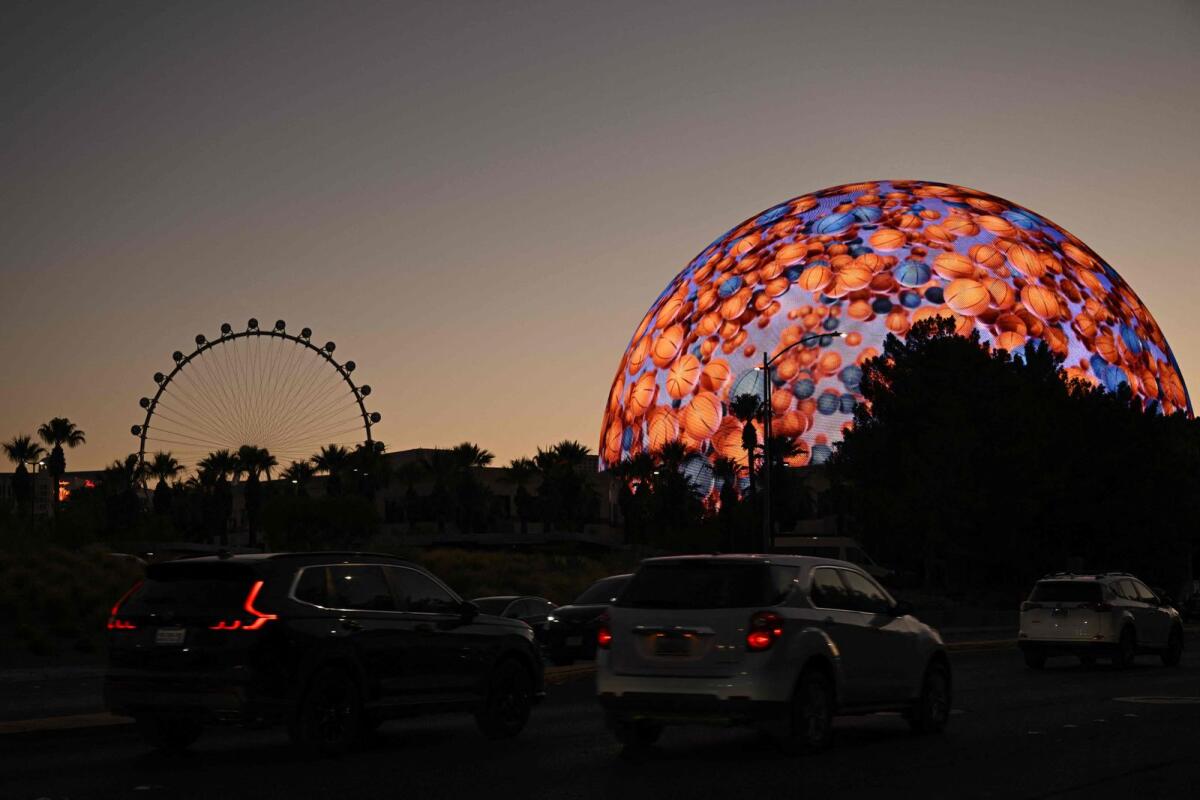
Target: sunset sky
x: 479, y: 201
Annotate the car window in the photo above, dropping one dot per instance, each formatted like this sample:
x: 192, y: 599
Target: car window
x: 313, y: 586
x: 422, y: 594
x: 361, y: 587
x: 1125, y: 589
x: 602, y: 592
x: 518, y: 609
x: 487, y: 605
x: 700, y: 583
x: 864, y: 595
x: 1066, y: 592
x: 827, y: 589
x: 1143, y: 592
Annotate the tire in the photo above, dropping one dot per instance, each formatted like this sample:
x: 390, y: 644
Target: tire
x: 635, y: 735
x: 1035, y: 660
x: 1126, y: 649
x: 810, y: 718
x: 931, y: 713
x: 1087, y: 661
x: 168, y: 733
x: 509, y: 700
x: 1174, y: 652
x: 329, y: 719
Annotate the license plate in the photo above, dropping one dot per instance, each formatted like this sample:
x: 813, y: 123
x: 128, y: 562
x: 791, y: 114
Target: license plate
x: 169, y: 635
x: 671, y: 646
x: 574, y: 641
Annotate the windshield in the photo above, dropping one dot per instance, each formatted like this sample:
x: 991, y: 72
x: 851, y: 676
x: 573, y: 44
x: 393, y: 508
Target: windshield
x: 1066, y: 592
x: 708, y: 584
x: 492, y: 605
x: 602, y: 592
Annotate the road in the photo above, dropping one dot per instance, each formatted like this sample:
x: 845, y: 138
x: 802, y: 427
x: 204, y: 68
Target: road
x: 1064, y: 732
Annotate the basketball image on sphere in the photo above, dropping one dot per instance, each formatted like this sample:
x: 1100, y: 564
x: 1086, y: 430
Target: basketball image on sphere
x: 865, y: 261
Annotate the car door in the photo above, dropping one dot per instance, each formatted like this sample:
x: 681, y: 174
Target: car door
x: 1154, y: 624
x: 452, y: 657
x: 367, y: 618
x: 830, y: 599
x: 892, y: 640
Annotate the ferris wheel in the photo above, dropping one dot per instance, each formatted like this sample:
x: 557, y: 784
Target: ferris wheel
x: 262, y: 387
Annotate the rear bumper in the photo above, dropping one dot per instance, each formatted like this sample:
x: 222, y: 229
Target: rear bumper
x: 668, y: 708
x: 1063, y: 647
x: 208, y: 698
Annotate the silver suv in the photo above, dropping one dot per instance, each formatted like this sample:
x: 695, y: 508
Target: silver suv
x: 779, y: 642
x: 1110, y: 614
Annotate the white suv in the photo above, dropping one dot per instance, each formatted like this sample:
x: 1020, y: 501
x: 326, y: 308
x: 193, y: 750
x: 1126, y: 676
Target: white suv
x: 779, y: 642
x: 1110, y: 614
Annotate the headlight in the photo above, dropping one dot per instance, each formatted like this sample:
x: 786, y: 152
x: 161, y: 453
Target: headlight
x: 551, y: 618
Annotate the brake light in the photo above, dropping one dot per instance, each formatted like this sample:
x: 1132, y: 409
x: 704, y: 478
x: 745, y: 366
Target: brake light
x: 603, y: 633
x: 765, y: 628
x: 115, y: 623
x: 259, y: 618
x: 1028, y: 606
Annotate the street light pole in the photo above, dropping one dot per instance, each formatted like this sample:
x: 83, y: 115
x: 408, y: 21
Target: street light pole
x: 767, y: 539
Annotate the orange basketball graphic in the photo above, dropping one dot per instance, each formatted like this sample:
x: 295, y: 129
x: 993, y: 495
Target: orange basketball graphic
x: 952, y: 266
x: 815, y: 278
x: 967, y: 296
x: 888, y: 239
x: 702, y: 416
x: 683, y: 375
x: 1040, y: 301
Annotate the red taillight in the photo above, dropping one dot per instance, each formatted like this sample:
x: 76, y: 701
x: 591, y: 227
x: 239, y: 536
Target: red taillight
x: 603, y: 633
x: 765, y: 628
x: 115, y: 624
x: 258, y: 618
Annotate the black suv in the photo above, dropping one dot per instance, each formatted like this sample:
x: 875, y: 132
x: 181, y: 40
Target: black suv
x: 329, y: 643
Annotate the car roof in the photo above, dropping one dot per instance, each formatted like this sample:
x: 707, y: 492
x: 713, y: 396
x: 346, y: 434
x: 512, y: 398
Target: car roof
x: 313, y: 557
x: 760, y: 558
x: 1087, y: 576
x: 500, y: 597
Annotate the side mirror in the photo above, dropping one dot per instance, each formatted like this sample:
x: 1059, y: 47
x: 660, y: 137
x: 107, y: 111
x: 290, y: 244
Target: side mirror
x: 902, y: 608
x: 468, y: 611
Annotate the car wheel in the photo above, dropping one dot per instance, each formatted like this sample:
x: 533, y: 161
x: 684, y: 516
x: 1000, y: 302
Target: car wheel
x: 1174, y: 652
x: 329, y: 718
x: 633, y: 734
x: 1035, y: 660
x: 1126, y: 649
x: 810, y: 723
x: 508, y: 703
x: 932, y: 710
x: 167, y: 733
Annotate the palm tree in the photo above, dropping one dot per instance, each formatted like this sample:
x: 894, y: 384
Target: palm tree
x: 410, y: 473
x: 333, y: 460
x: 519, y: 472
x: 22, y: 450
x: 299, y: 473
x: 747, y: 408
x: 56, y: 433
x: 254, y: 461
x: 472, y: 500
x: 163, y: 466
x: 217, y: 468
x: 564, y: 492
x: 368, y: 466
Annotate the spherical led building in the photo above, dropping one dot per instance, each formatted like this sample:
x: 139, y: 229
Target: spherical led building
x: 837, y: 271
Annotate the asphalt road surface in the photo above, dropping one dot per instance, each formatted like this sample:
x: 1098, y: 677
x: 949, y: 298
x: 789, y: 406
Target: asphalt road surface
x: 1066, y: 732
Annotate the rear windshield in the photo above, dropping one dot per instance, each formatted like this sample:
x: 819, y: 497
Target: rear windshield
x: 492, y: 605
x: 708, y: 584
x: 605, y: 591
x: 181, y: 587
x: 1066, y: 592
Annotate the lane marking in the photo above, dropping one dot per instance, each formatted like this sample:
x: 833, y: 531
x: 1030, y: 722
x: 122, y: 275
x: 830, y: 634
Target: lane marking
x: 1159, y: 700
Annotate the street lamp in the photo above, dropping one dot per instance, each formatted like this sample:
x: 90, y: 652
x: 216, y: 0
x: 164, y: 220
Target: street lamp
x: 766, y: 404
